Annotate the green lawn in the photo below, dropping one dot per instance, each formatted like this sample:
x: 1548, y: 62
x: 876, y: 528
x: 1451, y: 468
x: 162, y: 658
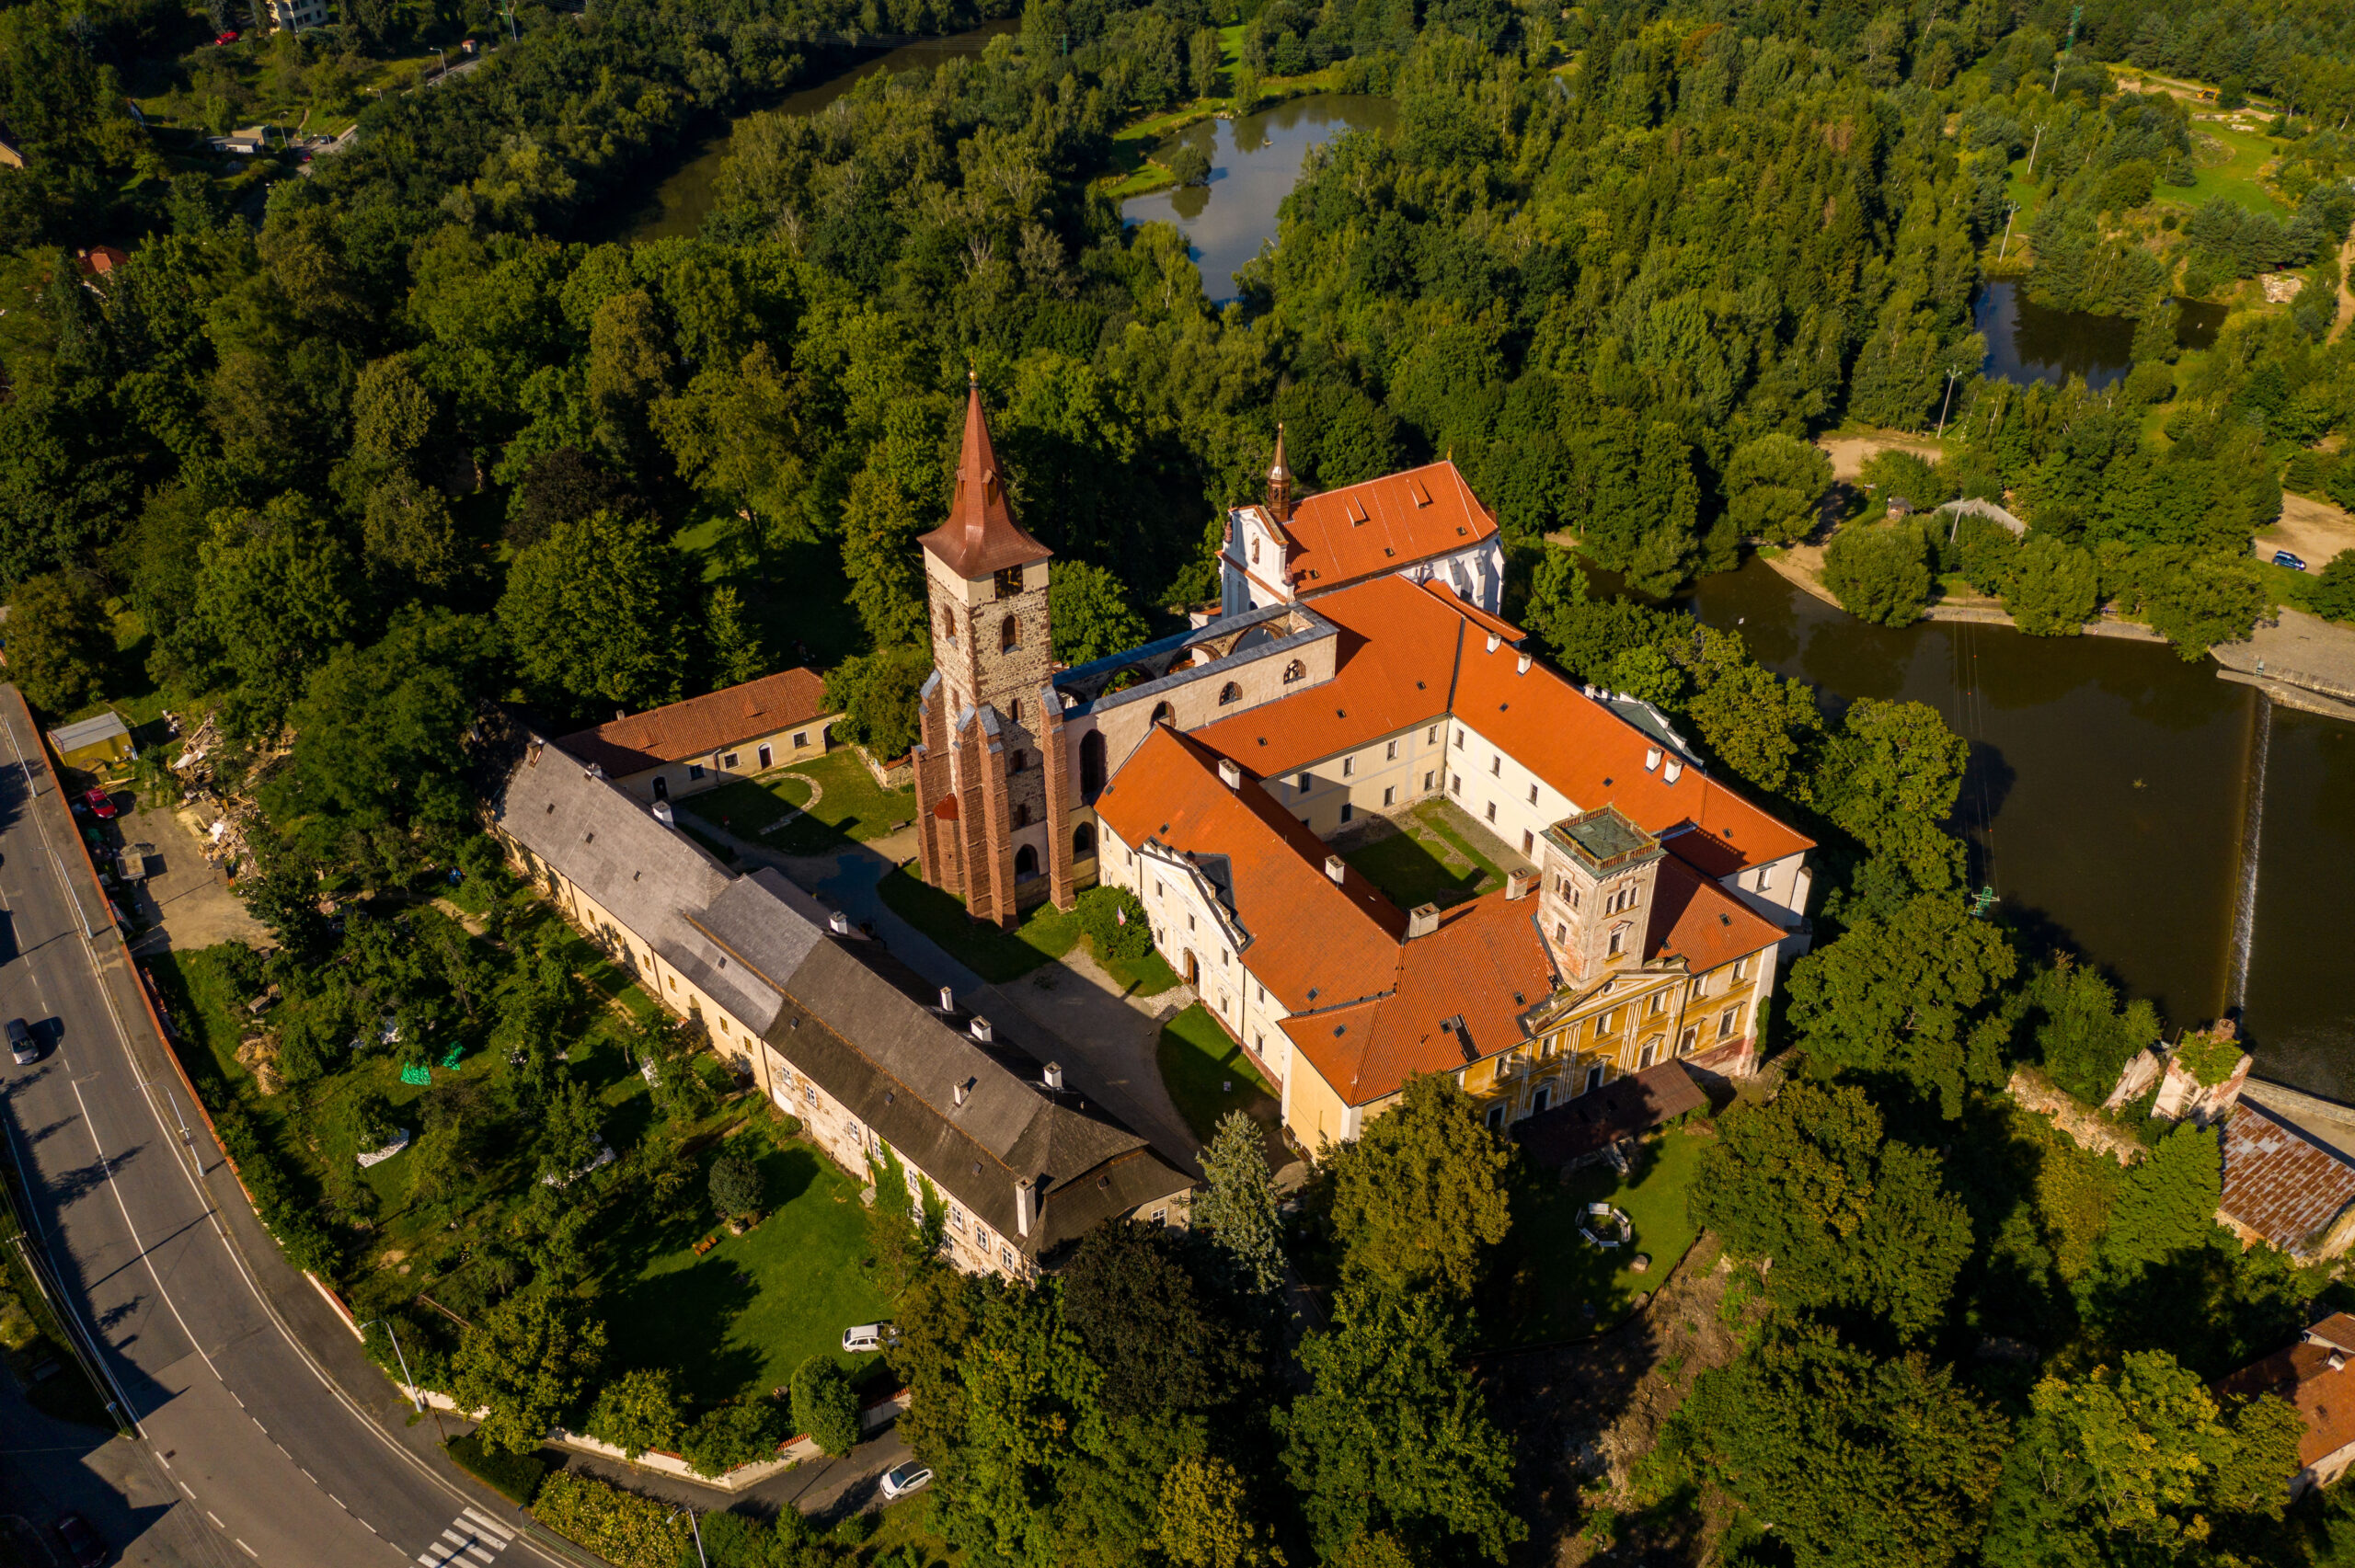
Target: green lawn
x: 738, y: 1320
x: 1209, y: 1075
x: 2227, y: 161
x: 1549, y: 1272
x: 1428, y: 861
x: 998, y: 955
x: 850, y: 804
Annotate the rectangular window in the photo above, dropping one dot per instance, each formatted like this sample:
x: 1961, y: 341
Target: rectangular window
x: 1561, y: 931
x: 1651, y: 1049
x: 800, y: 738
x: 1427, y: 779
x: 1348, y: 811
x: 1532, y: 795
x: 1189, y: 919
x: 1684, y: 1046
x: 1765, y: 875
x: 1658, y: 1001
x: 728, y: 762
x: 1574, y: 897
x: 1430, y: 735
x: 694, y: 770
x: 1390, y: 752
x: 1005, y: 1256
x: 809, y: 1093
x: 1607, y: 1023
x: 1390, y: 796
x: 982, y: 1238
x: 1740, y: 968
x: 1593, y: 1078
x: 1349, y: 767
x: 1303, y: 783
x: 1615, y: 937
x: 1459, y: 740
x: 1263, y: 996
x: 1492, y: 811
x: 1161, y: 1217
x: 1528, y: 842
x: 1725, y: 1021
x: 1455, y: 782
x: 767, y: 756
x: 1496, y: 767
x: 955, y: 1216
x: 1495, y: 1119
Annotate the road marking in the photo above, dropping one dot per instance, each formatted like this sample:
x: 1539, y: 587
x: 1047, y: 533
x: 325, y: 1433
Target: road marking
x: 248, y: 1551
x: 185, y: 1487
x: 308, y: 1476
x: 337, y: 1501
x: 491, y: 1525
x: 214, y: 1517
x: 473, y: 1538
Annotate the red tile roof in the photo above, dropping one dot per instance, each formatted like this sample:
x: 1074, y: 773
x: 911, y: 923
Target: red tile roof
x: 1314, y: 942
x: 2323, y: 1396
x: 1359, y: 531
x: 1697, y: 920
x: 980, y: 535
x: 2280, y: 1184
x: 1485, y: 965
x: 691, y: 730
x: 1408, y: 654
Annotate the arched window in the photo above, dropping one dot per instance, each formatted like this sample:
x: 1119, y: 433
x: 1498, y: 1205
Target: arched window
x: 1009, y: 634
x: 1295, y: 671
x: 1091, y: 764
x: 1017, y: 760
x: 1082, y: 840
x: 1164, y: 714
x: 1021, y: 817
x: 948, y: 623
x: 1230, y: 692
x: 1025, y: 862
x: 1014, y: 710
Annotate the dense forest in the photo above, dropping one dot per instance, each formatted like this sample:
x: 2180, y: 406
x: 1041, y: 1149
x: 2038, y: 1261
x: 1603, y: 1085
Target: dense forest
x: 360, y: 454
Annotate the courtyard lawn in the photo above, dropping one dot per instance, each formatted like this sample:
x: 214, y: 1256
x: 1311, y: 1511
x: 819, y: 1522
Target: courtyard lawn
x: 1548, y: 1274
x: 1428, y: 861
x: 998, y: 955
x: 738, y: 1320
x: 1208, y: 1074
x: 776, y: 809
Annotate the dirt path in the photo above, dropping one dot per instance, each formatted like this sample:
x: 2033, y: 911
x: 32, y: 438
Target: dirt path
x: 1848, y: 454
x: 2312, y: 530
x: 2346, y: 296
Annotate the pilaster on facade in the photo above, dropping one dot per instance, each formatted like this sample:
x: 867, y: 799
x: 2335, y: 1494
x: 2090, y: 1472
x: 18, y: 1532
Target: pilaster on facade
x: 937, y: 843
x: 1055, y: 777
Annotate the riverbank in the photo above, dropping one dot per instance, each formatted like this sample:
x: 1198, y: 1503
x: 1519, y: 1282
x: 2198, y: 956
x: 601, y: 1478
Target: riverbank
x: 1134, y: 171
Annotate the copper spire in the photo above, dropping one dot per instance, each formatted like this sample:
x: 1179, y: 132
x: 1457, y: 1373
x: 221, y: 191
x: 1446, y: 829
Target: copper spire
x: 980, y: 535
x: 1279, y: 482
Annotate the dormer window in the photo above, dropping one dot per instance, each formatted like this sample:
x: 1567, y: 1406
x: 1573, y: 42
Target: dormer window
x: 1010, y: 582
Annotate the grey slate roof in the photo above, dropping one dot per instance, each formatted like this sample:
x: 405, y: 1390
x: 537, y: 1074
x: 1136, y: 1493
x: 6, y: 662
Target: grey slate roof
x: 841, y: 1010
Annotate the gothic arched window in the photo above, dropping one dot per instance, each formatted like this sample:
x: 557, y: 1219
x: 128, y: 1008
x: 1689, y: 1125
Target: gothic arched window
x: 1009, y: 634
x: 1025, y: 862
x: 1164, y: 714
x: 1295, y: 671
x: 1230, y: 692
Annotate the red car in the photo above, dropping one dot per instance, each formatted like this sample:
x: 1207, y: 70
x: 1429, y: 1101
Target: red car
x: 101, y: 805
x: 228, y: 38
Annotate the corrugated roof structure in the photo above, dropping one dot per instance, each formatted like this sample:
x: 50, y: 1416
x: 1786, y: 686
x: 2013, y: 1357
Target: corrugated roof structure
x: 2283, y: 1185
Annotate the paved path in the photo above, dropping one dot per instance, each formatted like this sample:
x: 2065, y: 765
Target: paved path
x: 829, y: 1491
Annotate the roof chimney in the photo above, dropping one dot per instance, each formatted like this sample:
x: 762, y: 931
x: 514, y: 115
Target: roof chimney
x: 1674, y: 770
x: 1422, y: 920
x: 1025, y: 1197
x: 1524, y: 667
x: 2337, y: 1359
x: 1054, y: 1075
x: 964, y: 1089
x: 948, y: 999
x: 662, y: 813
x: 533, y: 760
x: 982, y: 1031
x: 1651, y: 758
x: 839, y: 923
x: 1521, y: 884
x: 1493, y: 641
x: 1229, y: 773
x: 1336, y: 869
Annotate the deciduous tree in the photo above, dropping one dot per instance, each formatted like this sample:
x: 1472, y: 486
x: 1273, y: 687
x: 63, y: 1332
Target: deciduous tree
x: 529, y: 1361
x: 1420, y: 1195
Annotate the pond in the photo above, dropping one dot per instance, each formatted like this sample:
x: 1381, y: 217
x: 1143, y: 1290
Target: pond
x: 680, y: 200
x: 2109, y: 787
x: 2026, y: 342
x: 1255, y: 162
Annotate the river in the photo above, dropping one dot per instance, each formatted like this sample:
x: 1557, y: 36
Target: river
x: 680, y: 201
x: 1255, y: 162
x: 2105, y: 803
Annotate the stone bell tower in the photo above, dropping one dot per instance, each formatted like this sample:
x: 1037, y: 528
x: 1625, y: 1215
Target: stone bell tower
x: 1596, y: 902
x: 992, y: 785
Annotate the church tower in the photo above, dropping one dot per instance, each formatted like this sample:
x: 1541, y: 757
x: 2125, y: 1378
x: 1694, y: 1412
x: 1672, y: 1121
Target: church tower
x: 992, y: 774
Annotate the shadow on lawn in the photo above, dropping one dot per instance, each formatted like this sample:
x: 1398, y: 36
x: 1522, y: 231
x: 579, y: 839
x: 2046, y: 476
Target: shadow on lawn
x: 1412, y: 870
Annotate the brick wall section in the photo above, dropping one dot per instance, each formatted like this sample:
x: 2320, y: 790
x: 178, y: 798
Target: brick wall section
x: 937, y: 843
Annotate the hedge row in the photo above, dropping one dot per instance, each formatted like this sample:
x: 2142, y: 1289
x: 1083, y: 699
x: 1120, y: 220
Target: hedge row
x: 627, y: 1530
x: 277, y: 1195
x: 515, y: 1477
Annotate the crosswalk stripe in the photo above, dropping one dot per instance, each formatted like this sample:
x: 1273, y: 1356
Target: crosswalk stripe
x: 474, y: 1549
x: 492, y: 1526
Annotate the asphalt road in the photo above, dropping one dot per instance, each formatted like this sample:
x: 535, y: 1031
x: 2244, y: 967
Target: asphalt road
x: 280, y: 1447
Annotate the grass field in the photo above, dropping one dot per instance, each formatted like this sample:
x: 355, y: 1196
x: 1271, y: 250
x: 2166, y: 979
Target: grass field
x: 1554, y: 1274
x: 1428, y: 861
x: 1209, y: 1075
x: 999, y: 956
x: 2228, y: 161
x: 850, y: 806
x: 756, y: 1305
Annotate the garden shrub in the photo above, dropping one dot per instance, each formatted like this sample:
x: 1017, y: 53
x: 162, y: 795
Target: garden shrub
x: 2332, y: 595
x: 825, y: 1406
x: 1101, y: 910
x: 638, y: 1411
x: 627, y: 1530
x: 733, y: 1435
x: 515, y: 1477
x: 740, y: 1541
x: 736, y: 1186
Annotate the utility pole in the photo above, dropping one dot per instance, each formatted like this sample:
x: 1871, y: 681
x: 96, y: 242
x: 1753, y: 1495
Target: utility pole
x: 2009, y: 214
x: 1947, y: 405
x: 2070, y: 48
x: 2032, y: 146
x: 416, y: 1394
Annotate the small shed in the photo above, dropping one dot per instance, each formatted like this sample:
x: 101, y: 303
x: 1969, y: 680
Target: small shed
x: 1577, y: 1132
x: 92, y: 744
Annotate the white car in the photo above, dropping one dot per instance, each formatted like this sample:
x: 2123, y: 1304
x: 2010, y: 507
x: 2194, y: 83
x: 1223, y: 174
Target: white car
x: 867, y: 1337
x: 21, y: 1044
x: 909, y: 1477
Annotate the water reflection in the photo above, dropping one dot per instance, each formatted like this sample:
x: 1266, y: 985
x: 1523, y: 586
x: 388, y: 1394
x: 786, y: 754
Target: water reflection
x: 2026, y: 342
x: 1254, y: 162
